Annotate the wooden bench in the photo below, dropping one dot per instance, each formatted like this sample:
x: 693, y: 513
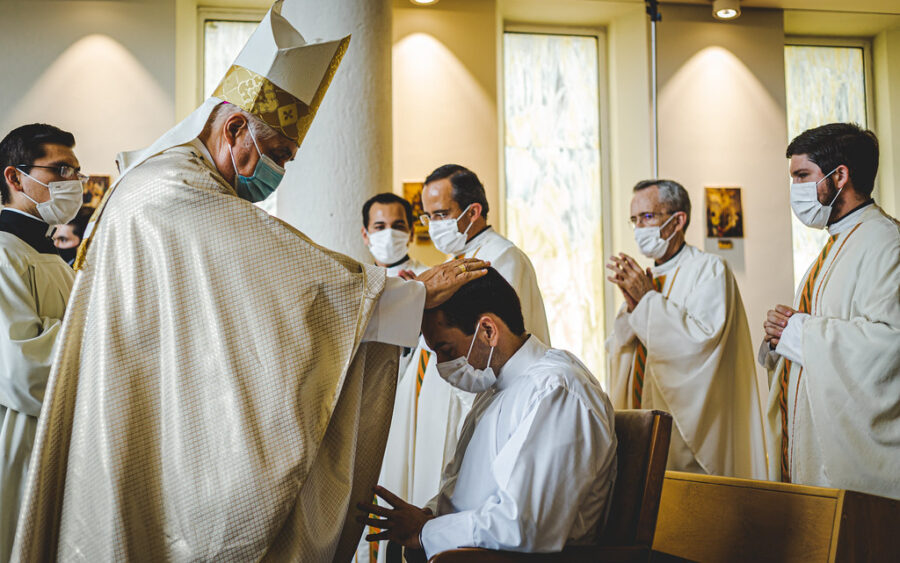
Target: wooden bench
x: 710, y: 519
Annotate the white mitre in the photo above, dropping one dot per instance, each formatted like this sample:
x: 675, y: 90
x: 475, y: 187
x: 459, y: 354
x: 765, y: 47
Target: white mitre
x: 277, y: 76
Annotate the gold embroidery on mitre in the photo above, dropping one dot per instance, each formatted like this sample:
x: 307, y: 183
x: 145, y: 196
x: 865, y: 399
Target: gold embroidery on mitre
x: 279, y: 109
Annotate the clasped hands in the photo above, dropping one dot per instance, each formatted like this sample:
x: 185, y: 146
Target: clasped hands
x: 631, y: 279
x: 776, y: 321
x: 401, y: 524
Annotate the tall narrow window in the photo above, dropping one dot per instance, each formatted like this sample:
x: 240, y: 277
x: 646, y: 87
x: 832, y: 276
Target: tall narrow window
x: 825, y: 84
x: 222, y: 41
x: 552, y: 155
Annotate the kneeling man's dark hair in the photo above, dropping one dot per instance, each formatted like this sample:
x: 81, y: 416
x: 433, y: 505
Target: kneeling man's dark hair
x: 490, y: 293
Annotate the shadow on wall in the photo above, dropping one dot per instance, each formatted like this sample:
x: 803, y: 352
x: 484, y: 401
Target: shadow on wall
x: 101, y: 93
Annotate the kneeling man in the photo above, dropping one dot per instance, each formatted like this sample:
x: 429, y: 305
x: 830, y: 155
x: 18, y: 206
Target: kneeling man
x: 535, y: 462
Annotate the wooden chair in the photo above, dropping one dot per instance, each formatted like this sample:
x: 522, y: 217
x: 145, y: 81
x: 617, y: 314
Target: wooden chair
x: 643, y: 446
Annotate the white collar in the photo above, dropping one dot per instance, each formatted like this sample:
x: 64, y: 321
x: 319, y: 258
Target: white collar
x: 672, y: 262
x: 849, y: 221
x: 525, y: 357
x: 477, y: 240
x: 204, y: 152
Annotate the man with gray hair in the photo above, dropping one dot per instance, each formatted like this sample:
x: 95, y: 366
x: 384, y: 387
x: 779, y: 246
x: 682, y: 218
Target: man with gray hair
x: 681, y: 342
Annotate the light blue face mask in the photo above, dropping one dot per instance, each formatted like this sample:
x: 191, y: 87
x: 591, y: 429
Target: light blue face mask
x: 266, y: 176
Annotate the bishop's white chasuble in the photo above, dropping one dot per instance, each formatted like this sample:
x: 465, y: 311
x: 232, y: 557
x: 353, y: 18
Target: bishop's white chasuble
x: 211, y: 398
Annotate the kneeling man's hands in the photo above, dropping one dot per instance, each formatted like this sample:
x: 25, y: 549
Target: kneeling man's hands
x: 401, y: 524
x: 442, y: 281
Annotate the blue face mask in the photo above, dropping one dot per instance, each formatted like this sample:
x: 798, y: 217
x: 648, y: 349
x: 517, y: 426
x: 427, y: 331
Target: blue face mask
x: 266, y: 176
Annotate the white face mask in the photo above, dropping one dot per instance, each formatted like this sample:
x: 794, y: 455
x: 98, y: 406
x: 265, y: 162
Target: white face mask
x: 66, y: 198
x: 446, y: 236
x: 649, y: 241
x: 460, y: 373
x: 806, y: 206
x: 388, y: 245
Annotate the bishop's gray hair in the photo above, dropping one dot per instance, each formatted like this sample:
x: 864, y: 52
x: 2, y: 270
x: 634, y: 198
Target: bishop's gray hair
x: 261, y: 131
x: 672, y: 196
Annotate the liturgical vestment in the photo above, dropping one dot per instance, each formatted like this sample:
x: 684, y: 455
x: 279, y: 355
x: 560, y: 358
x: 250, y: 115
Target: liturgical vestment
x: 34, y: 287
x: 843, y: 397
x: 697, y: 361
x: 213, y: 397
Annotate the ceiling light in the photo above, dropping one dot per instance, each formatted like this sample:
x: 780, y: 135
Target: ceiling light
x: 424, y: 2
x: 726, y: 9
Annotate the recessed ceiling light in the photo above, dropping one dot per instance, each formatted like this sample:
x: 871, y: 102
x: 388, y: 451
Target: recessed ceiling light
x: 726, y: 9
x: 424, y: 2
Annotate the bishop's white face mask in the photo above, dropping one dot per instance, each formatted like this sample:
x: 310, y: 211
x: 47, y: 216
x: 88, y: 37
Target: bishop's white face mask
x: 388, y: 245
x: 66, y: 198
x: 806, y: 206
x: 446, y: 236
x: 460, y: 373
x: 649, y: 241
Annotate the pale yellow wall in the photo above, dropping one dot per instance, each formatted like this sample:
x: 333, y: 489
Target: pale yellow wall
x: 886, y: 59
x: 102, y: 70
x: 445, y: 96
x: 722, y: 123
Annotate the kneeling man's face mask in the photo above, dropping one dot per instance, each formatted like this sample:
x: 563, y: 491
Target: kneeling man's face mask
x: 462, y: 375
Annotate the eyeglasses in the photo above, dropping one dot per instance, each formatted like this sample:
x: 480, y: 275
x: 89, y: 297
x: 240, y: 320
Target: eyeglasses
x: 439, y: 216
x: 64, y: 171
x: 644, y: 218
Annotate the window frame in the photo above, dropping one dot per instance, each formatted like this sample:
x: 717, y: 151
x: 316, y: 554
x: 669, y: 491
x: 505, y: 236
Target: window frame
x: 206, y: 14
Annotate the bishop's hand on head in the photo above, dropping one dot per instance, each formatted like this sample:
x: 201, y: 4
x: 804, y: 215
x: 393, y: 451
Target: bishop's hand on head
x: 442, y: 281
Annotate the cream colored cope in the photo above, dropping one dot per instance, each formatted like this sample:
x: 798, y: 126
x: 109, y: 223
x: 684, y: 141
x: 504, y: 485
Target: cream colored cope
x: 34, y: 290
x: 699, y: 366
x: 844, y: 388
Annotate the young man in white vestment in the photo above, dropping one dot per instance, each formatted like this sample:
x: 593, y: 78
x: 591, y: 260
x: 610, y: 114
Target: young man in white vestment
x: 223, y: 386
x: 681, y: 342
x: 41, y: 186
x: 834, y: 354
x: 535, y: 463
x: 388, y: 231
x: 456, y: 212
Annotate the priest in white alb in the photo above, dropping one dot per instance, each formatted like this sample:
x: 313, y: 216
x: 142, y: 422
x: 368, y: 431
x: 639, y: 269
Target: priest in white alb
x: 223, y: 386
x: 456, y: 210
x: 681, y: 342
x: 834, y: 354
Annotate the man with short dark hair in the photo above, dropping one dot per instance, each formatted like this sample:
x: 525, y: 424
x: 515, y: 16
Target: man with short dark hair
x: 456, y: 211
x: 41, y: 186
x: 834, y: 354
x: 681, y: 342
x: 535, y: 463
x: 388, y: 231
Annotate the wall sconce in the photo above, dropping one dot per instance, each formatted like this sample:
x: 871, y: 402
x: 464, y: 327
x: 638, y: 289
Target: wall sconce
x: 424, y: 2
x: 726, y: 9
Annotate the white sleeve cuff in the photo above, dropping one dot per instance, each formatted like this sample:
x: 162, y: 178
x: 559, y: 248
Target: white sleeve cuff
x: 448, y: 532
x: 767, y: 357
x: 790, y: 345
x: 397, y: 318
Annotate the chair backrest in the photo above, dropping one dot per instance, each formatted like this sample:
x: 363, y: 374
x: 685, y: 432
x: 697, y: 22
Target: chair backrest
x: 643, y: 446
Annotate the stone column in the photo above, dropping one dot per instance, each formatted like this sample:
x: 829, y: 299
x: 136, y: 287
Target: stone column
x: 346, y: 156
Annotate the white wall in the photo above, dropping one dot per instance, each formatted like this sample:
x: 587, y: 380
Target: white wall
x: 722, y: 123
x: 102, y: 70
x: 445, y: 96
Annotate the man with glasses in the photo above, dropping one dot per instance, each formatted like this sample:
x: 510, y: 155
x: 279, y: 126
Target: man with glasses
x: 681, y: 342
x: 41, y: 186
x: 456, y: 214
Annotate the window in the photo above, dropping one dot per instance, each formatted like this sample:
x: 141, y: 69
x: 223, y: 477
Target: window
x: 222, y: 35
x: 553, y: 178
x: 826, y: 82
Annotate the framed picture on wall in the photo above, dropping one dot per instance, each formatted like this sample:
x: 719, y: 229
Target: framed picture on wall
x: 94, y: 188
x: 412, y: 192
x: 724, y: 213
